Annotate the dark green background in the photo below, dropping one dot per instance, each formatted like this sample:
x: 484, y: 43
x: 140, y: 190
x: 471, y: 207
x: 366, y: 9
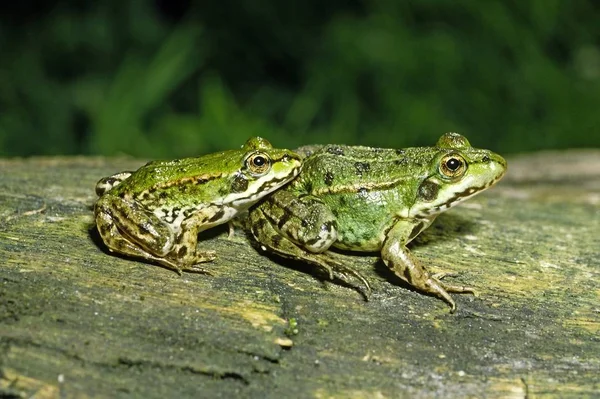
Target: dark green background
x: 175, y: 78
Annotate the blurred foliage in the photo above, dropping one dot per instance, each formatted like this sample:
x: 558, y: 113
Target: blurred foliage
x: 166, y: 79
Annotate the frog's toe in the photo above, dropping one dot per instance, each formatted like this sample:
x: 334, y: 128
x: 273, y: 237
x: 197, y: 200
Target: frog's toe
x: 198, y: 269
x: 458, y: 289
x: 452, y: 288
x: 328, y: 269
x: 167, y: 264
x: 442, y: 275
x: 204, y: 256
x: 452, y: 306
x: 345, y: 272
x: 367, y: 292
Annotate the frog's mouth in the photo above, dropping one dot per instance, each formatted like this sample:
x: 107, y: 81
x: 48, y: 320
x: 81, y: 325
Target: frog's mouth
x: 262, y: 187
x: 453, y: 195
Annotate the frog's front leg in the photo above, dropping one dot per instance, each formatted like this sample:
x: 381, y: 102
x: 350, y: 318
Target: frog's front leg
x: 185, y: 250
x: 300, y: 228
x: 399, y: 259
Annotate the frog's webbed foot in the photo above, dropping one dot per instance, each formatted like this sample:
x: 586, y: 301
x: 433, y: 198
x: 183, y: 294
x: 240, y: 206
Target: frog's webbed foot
x: 272, y: 241
x: 333, y: 268
x: 337, y: 269
x: 192, y: 264
x: 195, y: 269
x: 459, y: 289
x: 401, y: 262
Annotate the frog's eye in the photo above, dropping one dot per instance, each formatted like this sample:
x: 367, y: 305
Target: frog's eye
x: 453, y: 166
x: 258, y: 163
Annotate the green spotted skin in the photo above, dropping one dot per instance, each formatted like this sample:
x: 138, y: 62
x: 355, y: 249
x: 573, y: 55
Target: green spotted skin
x: 156, y: 212
x: 373, y: 199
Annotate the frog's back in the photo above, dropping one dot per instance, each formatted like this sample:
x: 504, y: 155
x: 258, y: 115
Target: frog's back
x: 338, y: 168
x: 181, y: 174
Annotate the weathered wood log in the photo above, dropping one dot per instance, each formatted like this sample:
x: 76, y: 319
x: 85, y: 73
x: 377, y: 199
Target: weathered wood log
x: 76, y: 321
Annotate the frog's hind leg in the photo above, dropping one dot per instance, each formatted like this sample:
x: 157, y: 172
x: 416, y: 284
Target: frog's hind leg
x: 115, y: 242
x: 272, y: 241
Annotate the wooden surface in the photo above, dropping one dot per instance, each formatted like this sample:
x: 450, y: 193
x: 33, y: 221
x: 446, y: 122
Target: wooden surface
x: 78, y: 322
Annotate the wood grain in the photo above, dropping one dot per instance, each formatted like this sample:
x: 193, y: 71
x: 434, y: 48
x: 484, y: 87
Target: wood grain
x: 76, y: 321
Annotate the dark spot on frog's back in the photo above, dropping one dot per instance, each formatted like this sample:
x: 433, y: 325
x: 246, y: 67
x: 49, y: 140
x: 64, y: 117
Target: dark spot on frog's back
x: 335, y: 150
x: 146, y: 195
x: 329, y: 177
x: 400, y: 151
x: 361, y: 168
x: 163, y: 194
x: 428, y: 190
x: 401, y: 162
x: 239, y: 184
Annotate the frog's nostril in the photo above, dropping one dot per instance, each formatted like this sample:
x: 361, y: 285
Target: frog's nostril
x: 485, y: 158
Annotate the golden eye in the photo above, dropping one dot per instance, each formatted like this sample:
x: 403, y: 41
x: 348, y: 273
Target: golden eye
x: 453, y: 166
x: 258, y: 163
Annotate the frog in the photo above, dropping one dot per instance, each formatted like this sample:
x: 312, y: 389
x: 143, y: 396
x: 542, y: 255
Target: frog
x: 373, y: 200
x: 156, y: 212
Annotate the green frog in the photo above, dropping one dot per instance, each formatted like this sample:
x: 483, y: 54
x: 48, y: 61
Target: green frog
x: 373, y: 200
x: 156, y: 212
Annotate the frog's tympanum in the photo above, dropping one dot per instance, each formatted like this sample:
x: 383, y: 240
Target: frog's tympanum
x: 373, y: 199
x: 156, y: 212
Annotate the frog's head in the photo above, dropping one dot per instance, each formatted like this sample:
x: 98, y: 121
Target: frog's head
x: 262, y: 169
x: 456, y: 172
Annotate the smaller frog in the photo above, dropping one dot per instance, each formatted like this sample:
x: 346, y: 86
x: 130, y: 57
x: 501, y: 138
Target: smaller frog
x: 156, y: 212
x: 373, y: 199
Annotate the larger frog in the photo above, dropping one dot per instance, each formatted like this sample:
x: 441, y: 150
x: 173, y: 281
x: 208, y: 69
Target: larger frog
x: 156, y: 212
x: 373, y: 199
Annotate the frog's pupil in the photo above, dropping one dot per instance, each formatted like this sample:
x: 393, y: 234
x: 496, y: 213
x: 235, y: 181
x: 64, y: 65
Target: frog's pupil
x: 259, y: 161
x: 453, y: 164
